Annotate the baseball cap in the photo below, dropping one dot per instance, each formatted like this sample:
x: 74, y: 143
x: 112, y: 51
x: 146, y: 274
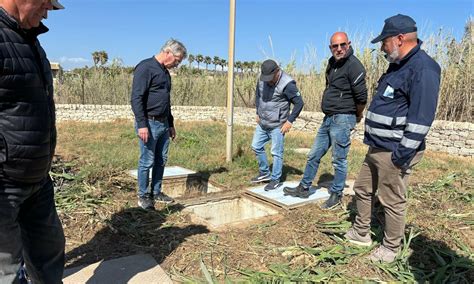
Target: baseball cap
x: 56, y: 5
x: 268, y: 69
x: 395, y: 25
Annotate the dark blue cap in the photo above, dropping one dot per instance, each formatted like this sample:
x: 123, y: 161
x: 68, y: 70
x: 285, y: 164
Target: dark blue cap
x: 395, y: 25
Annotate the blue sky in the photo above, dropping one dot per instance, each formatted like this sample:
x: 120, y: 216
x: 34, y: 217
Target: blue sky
x: 135, y: 29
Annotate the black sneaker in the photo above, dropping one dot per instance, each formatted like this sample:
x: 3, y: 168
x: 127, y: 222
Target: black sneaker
x: 299, y: 191
x: 274, y: 184
x: 333, y: 200
x: 146, y: 203
x: 163, y: 198
x: 261, y: 178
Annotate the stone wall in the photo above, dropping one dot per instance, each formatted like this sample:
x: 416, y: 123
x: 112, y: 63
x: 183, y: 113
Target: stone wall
x: 446, y: 136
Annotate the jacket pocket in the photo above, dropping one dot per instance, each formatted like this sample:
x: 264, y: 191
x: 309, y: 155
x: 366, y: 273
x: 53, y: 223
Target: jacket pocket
x: 270, y: 112
x: 396, y: 85
x: 3, y: 149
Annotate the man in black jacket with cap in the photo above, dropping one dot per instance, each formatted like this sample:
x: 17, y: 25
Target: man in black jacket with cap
x: 30, y: 229
x: 343, y: 101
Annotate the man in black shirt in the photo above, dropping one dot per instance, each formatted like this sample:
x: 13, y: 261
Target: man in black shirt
x: 343, y: 101
x: 153, y: 119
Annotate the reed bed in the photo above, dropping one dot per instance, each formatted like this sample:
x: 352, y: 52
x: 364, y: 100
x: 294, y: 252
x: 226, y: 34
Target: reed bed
x: 197, y: 87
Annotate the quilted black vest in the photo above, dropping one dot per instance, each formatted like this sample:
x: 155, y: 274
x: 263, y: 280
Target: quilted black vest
x: 27, y: 113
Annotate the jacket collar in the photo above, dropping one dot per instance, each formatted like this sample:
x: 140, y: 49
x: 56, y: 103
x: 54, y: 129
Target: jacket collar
x: 12, y: 23
x: 333, y: 62
x: 412, y: 52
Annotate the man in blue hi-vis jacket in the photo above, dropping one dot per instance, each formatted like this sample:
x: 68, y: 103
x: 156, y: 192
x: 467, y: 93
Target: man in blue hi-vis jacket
x: 397, y: 122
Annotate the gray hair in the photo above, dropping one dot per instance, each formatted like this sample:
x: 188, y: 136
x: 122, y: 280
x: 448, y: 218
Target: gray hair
x: 176, y: 47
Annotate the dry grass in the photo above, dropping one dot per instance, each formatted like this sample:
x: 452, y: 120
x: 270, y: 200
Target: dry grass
x: 97, y: 208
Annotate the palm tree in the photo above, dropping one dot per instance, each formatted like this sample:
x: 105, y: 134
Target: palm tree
x: 100, y: 57
x: 256, y: 65
x: 95, y: 57
x: 238, y: 65
x: 207, y: 61
x: 246, y: 65
x: 103, y: 58
x: 191, y: 59
x: 223, y: 63
x: 199, y: 59
x: 216, y: 61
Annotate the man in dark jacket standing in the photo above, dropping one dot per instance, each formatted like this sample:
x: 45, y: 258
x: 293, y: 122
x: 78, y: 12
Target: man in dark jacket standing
x: 343, y: 101
x: 151, y: 104
x: 398, y: 119
x: 30, y: 229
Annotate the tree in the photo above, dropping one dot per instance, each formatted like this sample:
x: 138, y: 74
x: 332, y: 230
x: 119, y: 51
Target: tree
x: 100, y: 57
x: 207, y: 60
x: 216, y: 61
x: 199, y: 59
x: 256, y: 65
x: 95, y: 57
x: 223, y: 63
x: 104, y: 57
x: 247, y: 66
x: 191, y: 59
x: 238, y: 65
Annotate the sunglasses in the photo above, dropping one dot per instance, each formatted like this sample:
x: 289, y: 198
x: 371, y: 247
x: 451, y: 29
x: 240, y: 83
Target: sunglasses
x: 342, y: 45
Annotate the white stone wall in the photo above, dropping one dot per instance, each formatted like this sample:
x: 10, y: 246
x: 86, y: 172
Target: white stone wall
x: 446, y: 136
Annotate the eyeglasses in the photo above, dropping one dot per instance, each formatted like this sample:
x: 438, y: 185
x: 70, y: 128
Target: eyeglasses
x: 342, y: 45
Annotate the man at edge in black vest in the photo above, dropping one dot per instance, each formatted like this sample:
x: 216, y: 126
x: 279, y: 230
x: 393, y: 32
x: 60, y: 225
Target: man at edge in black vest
x: 30, y: 229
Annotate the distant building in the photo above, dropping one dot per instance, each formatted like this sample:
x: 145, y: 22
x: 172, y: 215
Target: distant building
x: 55, y: 67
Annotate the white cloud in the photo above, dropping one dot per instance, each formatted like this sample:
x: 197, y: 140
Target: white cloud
x: 76, y: 60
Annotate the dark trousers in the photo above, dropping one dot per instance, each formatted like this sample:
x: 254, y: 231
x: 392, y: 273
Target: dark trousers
x: 30, y: 230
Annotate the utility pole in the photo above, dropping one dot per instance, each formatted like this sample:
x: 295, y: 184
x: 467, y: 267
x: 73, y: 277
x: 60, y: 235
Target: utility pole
x: 230, y: 82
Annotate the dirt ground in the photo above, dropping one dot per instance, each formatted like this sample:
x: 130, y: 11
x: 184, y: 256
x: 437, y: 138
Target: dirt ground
x: 117, y: 228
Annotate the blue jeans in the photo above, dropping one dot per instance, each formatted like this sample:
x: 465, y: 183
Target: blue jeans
x: 30, y: 230
x: 334, y: 132
x: 153, y: 156
x: 260, y: 139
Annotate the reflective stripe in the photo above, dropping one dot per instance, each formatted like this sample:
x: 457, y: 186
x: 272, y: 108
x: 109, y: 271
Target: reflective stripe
x: 401, y: 120
x: 417, y: 128
x: 358, y: 77
x: 386, y: 120
x: 384, y: 132
x: 379, y: 118
x: 409, y: 143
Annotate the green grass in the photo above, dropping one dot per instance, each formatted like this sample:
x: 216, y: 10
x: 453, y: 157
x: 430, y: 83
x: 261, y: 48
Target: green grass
x: 439, y: 220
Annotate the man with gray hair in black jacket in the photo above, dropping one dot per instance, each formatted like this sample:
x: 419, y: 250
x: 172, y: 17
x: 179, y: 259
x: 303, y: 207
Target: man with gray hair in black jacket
x: 343, y: 101
x: 154, y: 122
x: 30, y: 229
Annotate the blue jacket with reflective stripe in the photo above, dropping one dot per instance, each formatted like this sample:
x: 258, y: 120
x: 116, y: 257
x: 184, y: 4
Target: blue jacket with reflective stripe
x: 404, y: 106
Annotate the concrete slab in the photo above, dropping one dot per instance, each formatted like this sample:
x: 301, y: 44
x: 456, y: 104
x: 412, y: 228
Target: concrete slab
x: 277, y: 197
x: 135, y: 269
x: 304, y: 151
x: 170, y: 172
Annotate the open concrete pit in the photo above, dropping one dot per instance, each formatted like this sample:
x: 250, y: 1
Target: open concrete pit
x: 209, y: 204
x: 238, y: 211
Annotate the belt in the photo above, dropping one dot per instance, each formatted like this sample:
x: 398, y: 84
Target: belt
x: 158, y: 118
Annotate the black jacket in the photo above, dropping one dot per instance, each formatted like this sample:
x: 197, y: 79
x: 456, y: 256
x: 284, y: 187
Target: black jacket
x: 345, y: 85
x: 27, y: 115
x: 151, y: 92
